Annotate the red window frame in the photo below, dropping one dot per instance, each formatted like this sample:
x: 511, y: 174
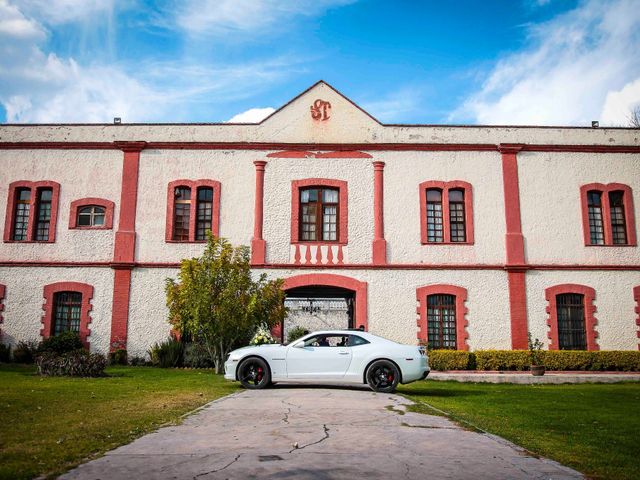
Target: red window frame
x: 462, y: 323
x: 76, y: 205
x: 215, y: 212
x: 343, y: 194
x: 629, y: 214
x: 444, y: 187
x: 48, y: 307
x: 35, y: 188
x: 590, y: 320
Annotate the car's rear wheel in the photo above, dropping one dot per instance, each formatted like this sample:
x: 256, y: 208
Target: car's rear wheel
x: 383, y: 376
x: 254, y: 373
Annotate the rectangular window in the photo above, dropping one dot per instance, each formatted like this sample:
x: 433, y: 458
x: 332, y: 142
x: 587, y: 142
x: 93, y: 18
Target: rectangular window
x: 205, y: 211
x: 44, y: 215
x: 434, y: 216
x: 67, y: 309
x: 441, y: 321
x: 571, y: 323
x: 618, y: 223
x: 21, y: 218
x: 181, y: 214
x: 319, y: 214
x: 596, y: 229
x: 456, y: 216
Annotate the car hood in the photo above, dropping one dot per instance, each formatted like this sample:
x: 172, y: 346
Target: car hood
x: 267, y: 346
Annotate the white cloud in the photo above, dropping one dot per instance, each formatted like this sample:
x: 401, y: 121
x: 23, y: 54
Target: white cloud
x: 619, y: 104
x: 253, y: 17
x: 253, y: 115
x: 65, y: 11
x: 565, y: 76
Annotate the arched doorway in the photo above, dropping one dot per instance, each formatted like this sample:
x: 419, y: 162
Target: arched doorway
x: 324, y: 301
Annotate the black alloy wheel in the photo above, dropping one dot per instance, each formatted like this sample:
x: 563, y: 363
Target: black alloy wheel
x: 383, y: 376
x: 254, y: 373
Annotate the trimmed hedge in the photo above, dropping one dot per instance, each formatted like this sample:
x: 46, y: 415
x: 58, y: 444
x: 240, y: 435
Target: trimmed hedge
x: 79, y: 363
x: 519, y: 360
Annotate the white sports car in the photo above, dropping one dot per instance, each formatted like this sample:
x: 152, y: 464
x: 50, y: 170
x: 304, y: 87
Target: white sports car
x: 335, y: 356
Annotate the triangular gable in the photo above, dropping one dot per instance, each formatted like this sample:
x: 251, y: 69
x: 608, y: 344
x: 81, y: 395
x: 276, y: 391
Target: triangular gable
x: 320, y: 114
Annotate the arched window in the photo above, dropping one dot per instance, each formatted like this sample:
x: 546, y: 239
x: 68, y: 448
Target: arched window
x: 572, y: 324
x: 193, y: 209
x: 32, y: 211
x: 67, y: 308
x: 442, y: 318
x: 66, y: 312
x: 91, y: 214
x: 607, y: 214
x: 441, y: 321
x: 446, y: 212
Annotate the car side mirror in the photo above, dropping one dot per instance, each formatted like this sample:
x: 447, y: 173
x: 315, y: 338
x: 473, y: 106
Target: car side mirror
x: 298, y: 345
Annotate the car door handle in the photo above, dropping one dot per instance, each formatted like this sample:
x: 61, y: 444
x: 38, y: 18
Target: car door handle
x: 343, y: 353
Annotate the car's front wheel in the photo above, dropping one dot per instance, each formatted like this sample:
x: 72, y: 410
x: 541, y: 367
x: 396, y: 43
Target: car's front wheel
x: 383, y: 376
x: 254, y: 373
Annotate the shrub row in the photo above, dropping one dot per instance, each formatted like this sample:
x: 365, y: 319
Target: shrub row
x: 78, y: 363
x: 625, y: 361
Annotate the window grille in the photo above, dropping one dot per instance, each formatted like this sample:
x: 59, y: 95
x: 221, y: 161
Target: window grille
x: 44, y: 214
x: 618, y: 223
x: 21, y: 218
x: 596, y: 228
x: 571, y: 322
x: 181, y: 213
x: 456, y: 216
x: 205, y: 212
x: 91, y: 216
x: 67, y: 310
x: 441, y: 321
x: 434, y: 216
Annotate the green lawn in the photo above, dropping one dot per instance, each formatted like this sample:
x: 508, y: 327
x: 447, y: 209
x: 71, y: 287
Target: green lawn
x: 48, y: 425
x: 593, y: 428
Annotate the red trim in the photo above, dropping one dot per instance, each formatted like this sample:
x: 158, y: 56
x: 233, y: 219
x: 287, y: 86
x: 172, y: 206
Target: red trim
x: 428, y: 147
x: 193, y: 185
x: 379, y: 246
x: 258, y: 245
x: 343, y: 209
x: 589, y: 310
x: 306, y: 154
x: 514, y: 240
x: 33, y: 211
x: 461, y: 311
x: 636, y: 297
x: 332, y: 280
x: 629, y: 213
x: 518, y: 309
x: 468, y: 210
x: 87, y: 295
x: 120, y: 309
x: 108, y: 205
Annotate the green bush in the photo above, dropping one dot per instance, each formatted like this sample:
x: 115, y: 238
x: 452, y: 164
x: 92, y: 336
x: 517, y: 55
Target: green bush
x: 195, y: 356
x: 5, y: 353
x: 167, y: 354
x: 295, y: 333
x: 25, y: 352
x: 451, y: 360
x: 625, y: 361
x: 568, y: 359
x: 78, y: 363
x: 139, y: 362
x: 63, y: 343
x: 502, y: 359
x: 118, y: 357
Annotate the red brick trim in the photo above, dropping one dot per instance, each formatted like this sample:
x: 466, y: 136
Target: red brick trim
x: 589, y: 310
x: 193, y: 185
x: 468, y: 210
x: 85, y: 319
x: 11, y: 205
x: 518, y: 309
x: 379, y: 246
x: 120, y: 308
x: 636, y: 297
x: 629, y: 213
x: 108, y: 205
x: 258, y: 245
x: 514, y: 240
x: 461, y: 311
x: 332, y: 280
x: 343, y: 208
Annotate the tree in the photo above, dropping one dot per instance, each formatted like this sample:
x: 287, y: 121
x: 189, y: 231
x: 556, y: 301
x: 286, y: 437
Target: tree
x: 218, y: 304
x: 634, y: 118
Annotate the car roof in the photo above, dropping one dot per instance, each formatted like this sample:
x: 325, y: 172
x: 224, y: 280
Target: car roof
x: 366, y: 335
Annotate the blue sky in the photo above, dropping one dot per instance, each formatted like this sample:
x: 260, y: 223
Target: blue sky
x: 545, y: 62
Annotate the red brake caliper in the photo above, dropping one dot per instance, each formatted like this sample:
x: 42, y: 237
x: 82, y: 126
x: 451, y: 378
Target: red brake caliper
x: 390, y: 378
x: 259, y: 373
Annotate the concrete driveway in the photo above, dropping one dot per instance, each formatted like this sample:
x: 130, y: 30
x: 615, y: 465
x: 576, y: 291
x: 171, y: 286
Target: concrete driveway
x: 293, y: 432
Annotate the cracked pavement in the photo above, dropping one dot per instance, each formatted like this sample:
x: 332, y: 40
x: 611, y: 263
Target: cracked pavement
x: 302, y: 432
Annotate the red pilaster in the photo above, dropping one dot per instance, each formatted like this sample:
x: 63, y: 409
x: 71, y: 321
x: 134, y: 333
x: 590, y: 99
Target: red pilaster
x: 514, y: 244
x: 125, y: 243
x: 258, y: 245
x: 379, y: 242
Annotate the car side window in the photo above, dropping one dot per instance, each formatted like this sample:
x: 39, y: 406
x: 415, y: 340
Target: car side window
x: 326, y: 341
x: 355, y: 340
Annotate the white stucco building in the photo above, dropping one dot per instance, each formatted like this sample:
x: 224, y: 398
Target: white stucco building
x: 463, y: 237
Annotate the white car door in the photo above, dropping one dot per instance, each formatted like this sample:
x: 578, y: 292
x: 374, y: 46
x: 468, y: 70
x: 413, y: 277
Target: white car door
x: 323, y: 357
